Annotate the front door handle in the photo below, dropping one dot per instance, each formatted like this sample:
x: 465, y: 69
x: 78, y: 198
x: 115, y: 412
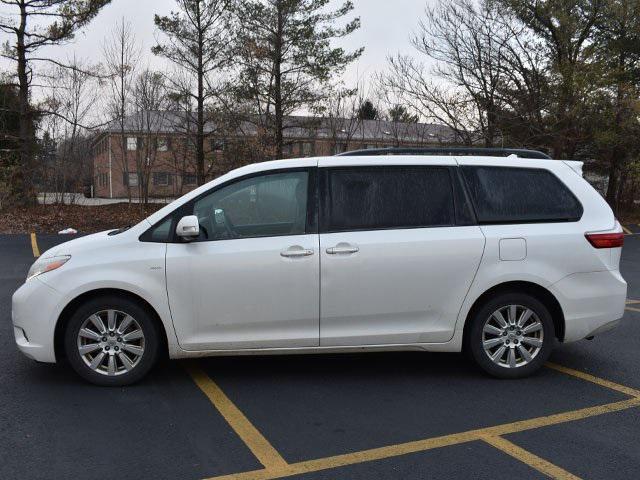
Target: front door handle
x: 343, y: 248
x: 293, y: 252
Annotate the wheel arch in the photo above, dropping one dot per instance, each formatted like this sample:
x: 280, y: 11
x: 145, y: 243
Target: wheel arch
x: 73, y: 305
x: 537, y: 291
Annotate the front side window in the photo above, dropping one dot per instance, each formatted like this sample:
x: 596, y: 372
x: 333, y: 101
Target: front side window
x: 363, y: 198
x: 520, y: 195
x: 264, y: 206
x: 161, y: 232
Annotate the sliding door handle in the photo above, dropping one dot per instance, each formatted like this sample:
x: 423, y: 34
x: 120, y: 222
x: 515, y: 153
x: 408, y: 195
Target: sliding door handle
x: 296, y: 252
x: 343, y: 249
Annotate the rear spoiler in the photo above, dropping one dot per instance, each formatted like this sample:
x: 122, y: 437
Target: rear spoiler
x: 576, y: 166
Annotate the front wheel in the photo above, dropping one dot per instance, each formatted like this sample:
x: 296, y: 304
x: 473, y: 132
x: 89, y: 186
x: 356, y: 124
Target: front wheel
x: 511, y: 335
x: 111, y: 341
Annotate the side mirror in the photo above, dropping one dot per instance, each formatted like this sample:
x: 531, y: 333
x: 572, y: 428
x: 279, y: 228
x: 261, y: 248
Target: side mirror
x: 188, y: 227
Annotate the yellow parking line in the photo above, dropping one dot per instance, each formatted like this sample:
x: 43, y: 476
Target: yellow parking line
x: 429, y: 444
x: 34, y: 245
x: 626, y: 230
x: 526, y: 457
x: 598, y: 381
x: 630, y: 301
x: 277, y: 467
x: 631, y: 309
x: 253, y: 439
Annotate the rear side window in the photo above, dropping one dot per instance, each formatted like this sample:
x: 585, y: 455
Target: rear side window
x: 520, y: 195
x: 373, y: 198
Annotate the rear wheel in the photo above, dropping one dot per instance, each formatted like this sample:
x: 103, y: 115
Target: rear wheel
x: 511, y: 335
x: 111, y: 341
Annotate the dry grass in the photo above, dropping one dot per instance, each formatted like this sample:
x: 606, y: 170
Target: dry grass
x: 85, y: 219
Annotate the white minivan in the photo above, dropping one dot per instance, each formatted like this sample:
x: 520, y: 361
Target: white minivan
x: 501, y: 254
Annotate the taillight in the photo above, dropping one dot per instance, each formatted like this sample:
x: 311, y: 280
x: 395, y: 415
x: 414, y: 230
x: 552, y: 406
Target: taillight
x: 605, y: 240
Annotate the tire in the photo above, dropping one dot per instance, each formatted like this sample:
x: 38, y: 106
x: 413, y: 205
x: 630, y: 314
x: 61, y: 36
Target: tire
x: 531, y: 342
x: 128, y: 348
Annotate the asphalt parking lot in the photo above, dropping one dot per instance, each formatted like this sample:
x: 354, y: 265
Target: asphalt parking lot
x: 399, y: 416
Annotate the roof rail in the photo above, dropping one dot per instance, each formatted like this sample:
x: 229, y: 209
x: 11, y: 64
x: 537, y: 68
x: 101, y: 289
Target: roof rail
x: 451, y: 151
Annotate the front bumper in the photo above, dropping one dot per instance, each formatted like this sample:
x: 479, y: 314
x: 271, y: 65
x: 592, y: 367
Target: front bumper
x: 34, y: 310
x: 592, y: 302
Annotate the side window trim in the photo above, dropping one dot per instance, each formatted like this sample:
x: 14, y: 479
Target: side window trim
x: 325, y: 196
x: 312, y: 203
x: 464, y: 209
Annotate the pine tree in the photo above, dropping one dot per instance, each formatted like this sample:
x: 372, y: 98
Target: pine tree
x: 285, y: 55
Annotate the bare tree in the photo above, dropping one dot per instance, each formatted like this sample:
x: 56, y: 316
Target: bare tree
x: 466, y: 40
x: 340, y: 112
x: 121, y: 53
x: 64, y: 18
x: 150, y: 101
x: 566, y: 31
x: 197, y: 42
x: 72, y: 94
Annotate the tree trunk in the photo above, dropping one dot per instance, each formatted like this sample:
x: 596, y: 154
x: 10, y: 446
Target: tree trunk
x: 277, y: 93
x: 22, y: 185
x: 200, y: 126
x: 616, y: 160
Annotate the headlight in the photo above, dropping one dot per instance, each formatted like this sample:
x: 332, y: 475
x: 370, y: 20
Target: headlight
x: 47, y: 265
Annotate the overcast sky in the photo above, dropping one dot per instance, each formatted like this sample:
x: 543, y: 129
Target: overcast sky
x: 386, y: 28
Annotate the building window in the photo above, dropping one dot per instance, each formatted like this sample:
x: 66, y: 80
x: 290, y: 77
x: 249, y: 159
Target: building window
x: 163, y: 145
x: 130, y: 179
x: 103, y: 179
x: 160, y: 178
x: 189, y: 179
x: 306, y: 149
x: 217, y: 145
x: 341, y: 148
x: 132, y: 144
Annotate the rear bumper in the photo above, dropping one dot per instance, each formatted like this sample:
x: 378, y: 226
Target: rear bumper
x: 592, y: 302
x: 34, y: 309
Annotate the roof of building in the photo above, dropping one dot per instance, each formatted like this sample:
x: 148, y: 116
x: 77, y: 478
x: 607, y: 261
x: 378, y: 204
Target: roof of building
x: 169, y: 122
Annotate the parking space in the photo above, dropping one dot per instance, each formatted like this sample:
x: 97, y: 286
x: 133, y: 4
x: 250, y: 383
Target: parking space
x: 341, y: 404
x: 391, y: 415
x: 631, y: 228
x: 612, y: 441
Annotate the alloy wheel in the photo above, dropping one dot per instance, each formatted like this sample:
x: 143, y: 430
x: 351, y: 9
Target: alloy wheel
x: 111, y: 342
x: 512, y: 336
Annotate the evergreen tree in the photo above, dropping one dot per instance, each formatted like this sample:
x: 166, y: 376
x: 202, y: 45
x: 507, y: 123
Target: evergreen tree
x: 368, y: 111
x: 286, y: 57
x: 400, y: 114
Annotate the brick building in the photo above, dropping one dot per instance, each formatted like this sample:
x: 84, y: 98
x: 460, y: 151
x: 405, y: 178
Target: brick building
x: 156, y: 155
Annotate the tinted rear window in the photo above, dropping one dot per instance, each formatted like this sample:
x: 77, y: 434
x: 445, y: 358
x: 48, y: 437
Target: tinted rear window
x: 520, y: 195
x: 370, y: 198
